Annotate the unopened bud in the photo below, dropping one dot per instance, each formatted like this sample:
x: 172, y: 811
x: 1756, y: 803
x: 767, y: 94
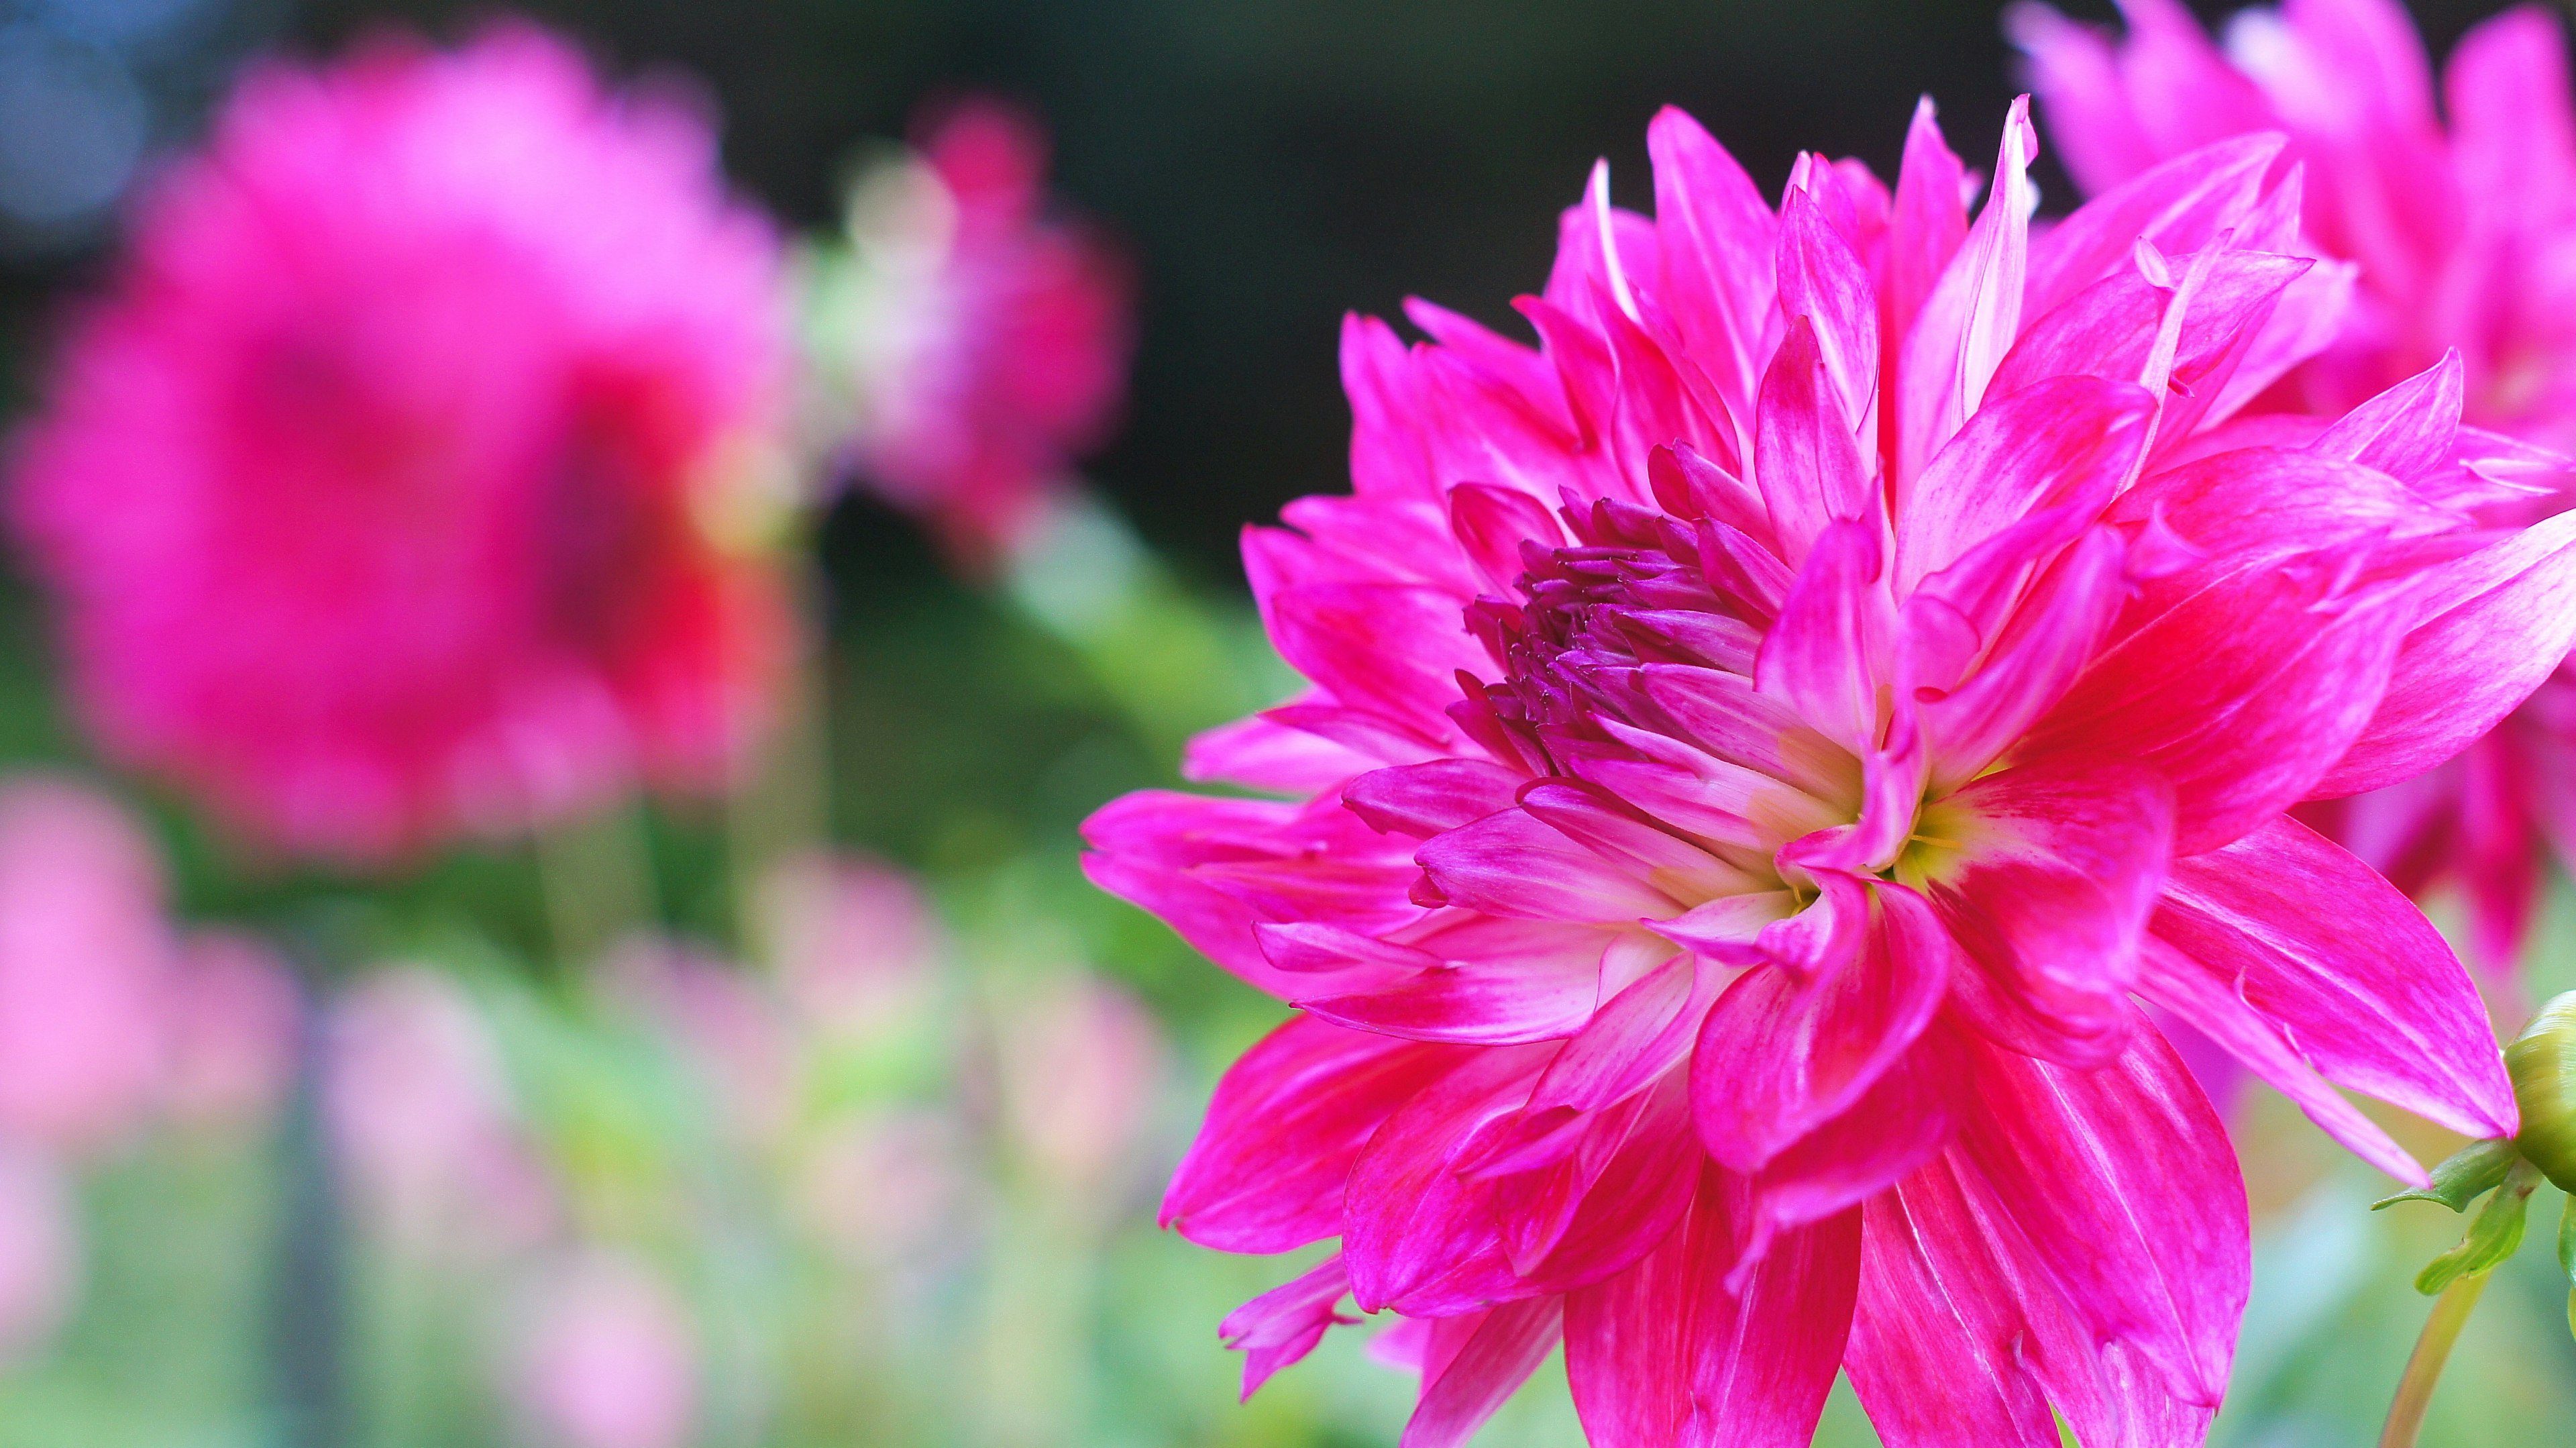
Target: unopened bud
x: 2542, y: 1061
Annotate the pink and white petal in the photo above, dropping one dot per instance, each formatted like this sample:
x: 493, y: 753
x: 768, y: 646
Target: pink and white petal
x: 1259, y: 753
x: 1610, y: 828
x: 2045, y: 875
x: 1828, y: 652
x: 1725, y: 715
x: 1476, y: 1004
x: 1492, y: 523
x: 1821, y: 280
x: 2125, y: 1187
x: 1909, y: 1116
x: 1416, y: 1236
x: 1806, y: 461
x: 1784, y: 1052
x: 1427, y: 799
x: 1278, y: 1328
x: 2039, y: 654
x: 2347, y: 968
x: 1267, y: 1171
x: 1512, y: 864
x: 2207, y: 1001
x: 1504, y: 1347
x: 1974, y: 312
x: 2493, y: 626
x: 2065, y: 439
x: 1718, y: 239
x: 1395, y: 649
x: 1665, y: 1355
x: 1925, y: 229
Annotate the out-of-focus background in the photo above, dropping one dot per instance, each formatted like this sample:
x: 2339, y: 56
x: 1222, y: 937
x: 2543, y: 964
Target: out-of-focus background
x: 412, y: 1162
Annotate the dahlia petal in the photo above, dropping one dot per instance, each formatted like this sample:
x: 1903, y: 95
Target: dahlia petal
x: 1426, y: 799
x: 2409, y: 429
x: 1823, y: 282
x: 2243, y: 695
x: 2252, y: 506
x: 1287, y: 1122
x: 1689, y: 485
x: 2058, y: 866
x: 2051, y: 638
x: 1259, y: 753
x: 1278, y: 1328
x: 1513, y: 865
x: 1493, y: 524
x: 2065, y: 439
x: 2001, y: 1341
x: 1908, y: 1116
x: 1805, y: 460
x: 1780, y: 1055
x: 1214, y: 923
x: 1929, y: 223
x: 2124, y: 1185
x: 1634, y: 1038
x: 1693, y: 790
x: 1522, y: 369
x: 1718, y: 240
x: 1505, y: 1347
x: 1726, y: 716
x: 1627, y: 1163
x: 1312, y: 947
x: 2179, y: 207
x: 1828, y: 650
x: 2513, y: 122
x: 1601, y: 823
x: 1508, y: 1004
x: 1725, y: 929
x: 2494, y: 625
x: 1974, y: 312
x: 2208, y: 1001
x: 1387, y: 453
x: 1391, y: 648
x: 1666, y: 1355
x: 2350, y: 973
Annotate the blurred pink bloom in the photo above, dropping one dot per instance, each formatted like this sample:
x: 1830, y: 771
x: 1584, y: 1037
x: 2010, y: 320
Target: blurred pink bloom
x: 2465, y: 241
x: 993, y: 349
x: 408, y: 479
x: 882, y: 1189
x: 728, y: 1026
x: 85, y: 967
x: 856, y: 945
x: 422, y: 1115
x: 40, y: 1250
x: 1759, y: 744
x: 233, y: 1011
x: 608, y: 1360
x: 1080, y: 1062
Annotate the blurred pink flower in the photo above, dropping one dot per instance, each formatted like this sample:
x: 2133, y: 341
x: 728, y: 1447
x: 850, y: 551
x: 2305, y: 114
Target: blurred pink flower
x: 233, y: 1012
x: 85, y: 967
x: 40, y: 1250
x: 1760, y: 745
x: 412, y: 476
x: 855, y: 944
x: 882, y: 1188
x: 608, y: 1358
x: 990, y: 348
x: 729, y: 1027
x: 2465, y: 243
x: 1080, y: 1061
x: 421, y: 1112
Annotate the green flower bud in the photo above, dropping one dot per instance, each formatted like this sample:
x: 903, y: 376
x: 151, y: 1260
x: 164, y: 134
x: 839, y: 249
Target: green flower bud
x: 2543, y: 1063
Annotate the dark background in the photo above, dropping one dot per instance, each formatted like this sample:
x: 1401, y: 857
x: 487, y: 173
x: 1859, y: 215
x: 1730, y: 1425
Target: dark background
x: 1273, y: 163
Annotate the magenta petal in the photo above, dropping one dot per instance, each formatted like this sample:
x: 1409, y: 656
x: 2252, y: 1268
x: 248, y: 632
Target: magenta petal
x: 1805, y: 459
x: 2065, y: 439
x: 2057, y: 870
x: 1504, y: 1347
x: 1665, y: 1356
x: 1718, y: 239
x: 2123, y: 1183
x: 2030, y: 666
x: 2347, y: 969
x: 1423, y: 800
x: 1289, y: 1119
x: 2494, y: 625
x: 1502, y: 1003
x: 1829, y: 650
x: 1278, y: 1328
x: 1781, y: 1054
x: 1513, y: 865
x: 2207, y: 1002
x: 1493, y: 523
x: 1823, y: 282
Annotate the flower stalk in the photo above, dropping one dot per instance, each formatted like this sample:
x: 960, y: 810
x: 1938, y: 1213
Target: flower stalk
x: 2432, y: 1349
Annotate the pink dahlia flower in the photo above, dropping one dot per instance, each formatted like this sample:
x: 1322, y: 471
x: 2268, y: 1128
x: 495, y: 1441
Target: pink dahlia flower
x: 984, y: 346
x: 402, y: 482
x: 2465, y: 245
x: 1762, y: 745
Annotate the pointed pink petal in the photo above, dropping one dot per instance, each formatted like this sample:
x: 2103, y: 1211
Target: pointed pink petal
x: 1806, y: 461
x: 1717, y: 238
x: 1665, y: 1356
x: 1278, y: 1328
x: 1498, y: 1004
x: 1258, y: 753
x: 1427, y: 799
x: 2058, y: 866
x: 2494, y: 625
x: 1288, y: 1121
x: 1822, y: 281
x: 1974, y: 312
x: 1511, y: 864
x: 2179, y: 207
x: 1780, y: 1055
x: 1929, y: 223
x: 1492, y: 523
x: 1827, y: 653
x: 2208, y: 1001
x: 2064, y: 440
x: 2039, y: 655
x: 2126, y: 1189
x: 1507, y: 1345
x: 2347, y: 969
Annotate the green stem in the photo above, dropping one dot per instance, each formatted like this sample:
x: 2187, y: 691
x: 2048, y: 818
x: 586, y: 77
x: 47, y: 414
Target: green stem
x: 2433, y: 1349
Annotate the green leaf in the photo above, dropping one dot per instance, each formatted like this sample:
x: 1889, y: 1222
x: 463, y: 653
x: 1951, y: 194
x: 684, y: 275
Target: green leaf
x: 2462, y: 1175
x: 2493, y: 1233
